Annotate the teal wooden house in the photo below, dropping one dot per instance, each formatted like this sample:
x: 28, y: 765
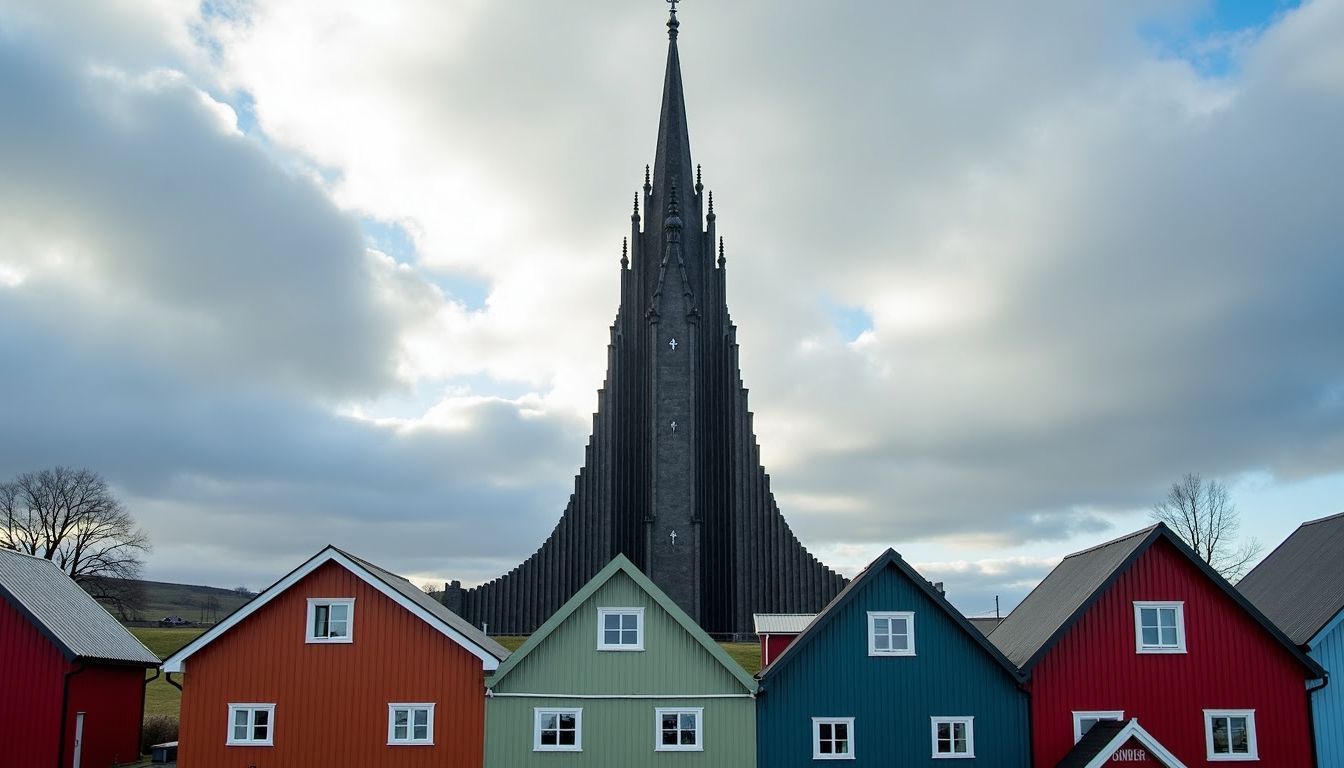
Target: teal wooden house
x: 620, y: 676
x: 891, y: 674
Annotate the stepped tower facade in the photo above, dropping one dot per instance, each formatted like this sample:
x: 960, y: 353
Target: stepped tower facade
x: 672, y: 476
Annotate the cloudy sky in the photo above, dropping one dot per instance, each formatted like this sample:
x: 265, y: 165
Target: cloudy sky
x: 295, y: 272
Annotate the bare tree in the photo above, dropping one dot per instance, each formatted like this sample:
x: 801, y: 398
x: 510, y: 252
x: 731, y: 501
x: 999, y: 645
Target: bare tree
x: 1204, y: 517
x: 71, y: 518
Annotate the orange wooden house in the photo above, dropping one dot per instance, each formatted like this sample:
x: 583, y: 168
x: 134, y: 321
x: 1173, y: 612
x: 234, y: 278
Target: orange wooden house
x: 338, y: 663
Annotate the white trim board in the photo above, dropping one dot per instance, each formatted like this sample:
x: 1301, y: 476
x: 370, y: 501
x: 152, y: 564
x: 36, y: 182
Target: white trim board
x: 1133, y: 730
x: 491, y: 694
x: 177, y: 662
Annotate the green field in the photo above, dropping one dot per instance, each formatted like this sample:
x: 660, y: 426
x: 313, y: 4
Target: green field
x: 160, y: 697
x: 163, y: 699
x: 191, y: 602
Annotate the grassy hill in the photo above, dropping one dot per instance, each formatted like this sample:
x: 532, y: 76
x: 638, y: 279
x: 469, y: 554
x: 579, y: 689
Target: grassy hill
x: 190, y: 601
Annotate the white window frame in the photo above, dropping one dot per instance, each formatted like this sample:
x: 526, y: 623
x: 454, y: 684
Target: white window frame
x: 1249, y: 714
x: 538, y: 712
x: 603, y: 613
x: 1179, y: 607
x: 969, y: 722
x: 1095, y: 714
x: 411, y: 708
x: 252, y: 709
x: 658, y: 744
x: 817, y: 722
x: 909, y: 617
x: 311, y: 624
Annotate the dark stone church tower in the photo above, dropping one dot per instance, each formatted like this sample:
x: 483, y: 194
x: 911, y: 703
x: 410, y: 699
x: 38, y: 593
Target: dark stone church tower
x: 672, y: 475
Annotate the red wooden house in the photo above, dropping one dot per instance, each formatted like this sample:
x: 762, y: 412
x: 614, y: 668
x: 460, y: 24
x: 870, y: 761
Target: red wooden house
x: 777, y: 631
x: 1141, y: 629
x: 338, y: 663
x: 73, y: 690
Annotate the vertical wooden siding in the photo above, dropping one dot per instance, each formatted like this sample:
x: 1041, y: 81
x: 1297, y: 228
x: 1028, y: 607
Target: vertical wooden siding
x: 1231, y: 663
x: 618, y: 733
x: 29, y: 723
x: 113, y: 703
x: 891, y: 699
x: 1328, y: 705
x: 331, y: 699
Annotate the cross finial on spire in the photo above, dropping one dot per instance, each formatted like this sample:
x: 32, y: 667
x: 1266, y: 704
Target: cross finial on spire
x: 672, y: 22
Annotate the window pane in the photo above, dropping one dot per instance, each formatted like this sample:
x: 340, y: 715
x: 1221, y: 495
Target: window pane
x: 629, y: 621
x: 1166, y: 617
x: 629, y: 637
x: 688, y: 738
x: 1240, y: 742
x: 688, y: 720
x: 611, y: 637
x: 898, y: 627
x: 1150, y: 636
x: 670, y: 736
x: 548, y: 721
x: 841, y: 731
x: 548, y: 738
x: 321, y: 615
x: 669, y: 721
x: 399, y: 732
x: 611, y: 621
x: 1220, y: 746
x: 567, y: 738
x: 260, y: 717
x: 240, y: 731
x: 240, y: 717
x: 567, y: 722
x: 882, y: 642
x: 421, y: 732
x: 944, y: 731
x: 825, y: 730
x: 901, y: 642
x: 399, y: 716
x: 1169, y: 636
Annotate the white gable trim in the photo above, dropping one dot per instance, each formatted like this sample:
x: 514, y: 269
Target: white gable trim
x: 177, y: 662
x: 1133, y: 730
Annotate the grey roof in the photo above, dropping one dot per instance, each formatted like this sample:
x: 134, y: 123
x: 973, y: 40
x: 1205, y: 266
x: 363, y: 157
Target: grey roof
x: 985, y: 624
x: 1055, y: 602
x: 1300, y: 585
x: 439, y: 610
x: 66, y: 614
x: 781, y: 623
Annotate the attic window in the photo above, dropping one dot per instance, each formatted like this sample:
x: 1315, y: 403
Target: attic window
x: 620, y: 629
x: 891, y: 633
x: 331, y: 620
x: 1159, y: 627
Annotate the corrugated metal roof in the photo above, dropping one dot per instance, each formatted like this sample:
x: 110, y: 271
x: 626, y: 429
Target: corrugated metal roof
x: 1054, y: 602
x: 1300, y: 585
x: 1097, y: 738
x: 781, y: 623
x: 440, y: 611
x: 65, y: 613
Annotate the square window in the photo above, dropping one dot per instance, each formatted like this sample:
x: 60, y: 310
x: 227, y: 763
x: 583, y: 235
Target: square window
x: 953, y: 737
x: 410, y: 723
x: 331, y: 619
x: 1159, y: 627
x: 891, y: 633
x: 251, y: 725
x: 620, y: 629
x: 557, y: 730
x: 1230, y: 734
x: 832, y: 738
x: 1083, y: 721
x: 678, y: 730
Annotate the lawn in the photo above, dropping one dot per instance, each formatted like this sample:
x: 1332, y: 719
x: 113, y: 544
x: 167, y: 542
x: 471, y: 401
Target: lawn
x: 160, y: 697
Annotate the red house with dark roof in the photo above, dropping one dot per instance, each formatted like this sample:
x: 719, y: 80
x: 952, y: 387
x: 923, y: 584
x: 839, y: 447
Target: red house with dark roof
x: 73, y: 690
x: 1141, y: 631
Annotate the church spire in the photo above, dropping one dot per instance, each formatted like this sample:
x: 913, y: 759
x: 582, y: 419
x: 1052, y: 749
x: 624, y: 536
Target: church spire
x: 673, y: 157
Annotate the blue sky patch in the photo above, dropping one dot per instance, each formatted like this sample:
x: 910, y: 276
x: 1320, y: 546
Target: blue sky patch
x: 1212, y: 35
x: 850, y: 322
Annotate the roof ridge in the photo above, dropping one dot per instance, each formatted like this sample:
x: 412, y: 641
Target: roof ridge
x: 1325, y: 519
x: 1117, y: 540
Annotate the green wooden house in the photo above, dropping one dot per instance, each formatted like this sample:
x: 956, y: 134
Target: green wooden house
x: 620, y: 676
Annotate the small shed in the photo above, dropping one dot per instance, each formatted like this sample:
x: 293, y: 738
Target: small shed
x: 1300, y: 587
x: 620, y: 676
x: 777, y: 630
x: 1115, y: 743
x: 74, y: 678
x: 891, y: 674
x: 340, y: 662
x: 1141, y: 628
